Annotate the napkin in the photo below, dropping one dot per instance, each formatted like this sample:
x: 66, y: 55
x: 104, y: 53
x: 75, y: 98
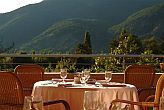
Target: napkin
x: 112, y: 85
x: 101, y: 81
x: 60, y: 80
x: 91, y: 81
x: 65, y: 85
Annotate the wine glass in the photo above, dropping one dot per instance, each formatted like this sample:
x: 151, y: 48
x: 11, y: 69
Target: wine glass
x: 63, y: 74
x: 86, y: 73
x: 91, y: 100
x: 33, y: 103
x: 83, y: 78
x: 108, y: 76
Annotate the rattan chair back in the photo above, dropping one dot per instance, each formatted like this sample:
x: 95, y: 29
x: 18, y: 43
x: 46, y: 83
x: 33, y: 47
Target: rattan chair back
x: 29, y: 74
x: 140, y: 75
x: 159, y: 89
x: 11, y: 91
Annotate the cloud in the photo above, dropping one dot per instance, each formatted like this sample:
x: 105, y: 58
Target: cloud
x: 10, y: 5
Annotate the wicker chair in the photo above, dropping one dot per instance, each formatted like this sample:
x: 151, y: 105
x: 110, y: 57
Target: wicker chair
x: 142, y: 76
x: 154, y: 104
x: 28, y: 75
x: 11, y: 93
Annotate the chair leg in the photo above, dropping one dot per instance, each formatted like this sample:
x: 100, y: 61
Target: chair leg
x: 66, y: 105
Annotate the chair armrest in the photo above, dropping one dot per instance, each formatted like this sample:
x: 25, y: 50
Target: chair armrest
x: 66, y: 105
x: 141, y: 104
x: 148, y: 99
x: 146, y: 89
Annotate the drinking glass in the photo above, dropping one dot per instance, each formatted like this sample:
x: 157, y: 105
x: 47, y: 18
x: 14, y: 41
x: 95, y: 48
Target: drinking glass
x: 86, y: 73
x: 108, y: 76
x: 91, y: 100
x: 33, y: 103
x: 63, y: 74
x: 83, y: 78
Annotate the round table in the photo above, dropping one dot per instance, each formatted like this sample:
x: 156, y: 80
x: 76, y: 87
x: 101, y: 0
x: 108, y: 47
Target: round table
x: 74, y: 93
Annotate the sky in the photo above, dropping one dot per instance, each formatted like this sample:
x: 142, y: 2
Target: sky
x: 10, y: 5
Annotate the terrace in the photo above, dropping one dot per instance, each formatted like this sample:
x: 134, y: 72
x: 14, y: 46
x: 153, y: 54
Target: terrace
x: 98, y: 74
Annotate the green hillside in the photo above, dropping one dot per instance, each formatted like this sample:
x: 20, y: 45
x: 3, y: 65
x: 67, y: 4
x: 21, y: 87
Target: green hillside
x: 149, y: 21
x: 64, y: 36
x: 28, y: 25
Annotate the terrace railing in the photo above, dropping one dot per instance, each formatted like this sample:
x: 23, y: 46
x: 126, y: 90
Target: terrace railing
x: 9, y: 61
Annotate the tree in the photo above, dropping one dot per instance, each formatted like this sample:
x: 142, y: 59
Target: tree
x: 5, y: 60
x: 80, y: 49
x: 126, y: 43
x: 3, y: 49
x: 87, y: 43
x: 161, y: 47
x: 84, y: 48
x: 151, y: 44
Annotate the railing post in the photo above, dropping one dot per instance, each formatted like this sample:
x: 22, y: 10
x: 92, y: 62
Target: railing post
x: 123, y: 64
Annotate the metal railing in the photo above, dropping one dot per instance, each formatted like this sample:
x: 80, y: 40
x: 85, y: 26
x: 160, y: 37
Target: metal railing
x: 94, y: 56
x: 81, y: 55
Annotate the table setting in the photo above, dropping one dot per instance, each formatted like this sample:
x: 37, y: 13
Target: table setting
x: 70, y: 83
x: 82, y: 80
x: 73, y: 90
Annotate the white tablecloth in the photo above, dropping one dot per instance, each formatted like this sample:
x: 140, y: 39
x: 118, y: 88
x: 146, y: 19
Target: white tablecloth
x: 75, y: 95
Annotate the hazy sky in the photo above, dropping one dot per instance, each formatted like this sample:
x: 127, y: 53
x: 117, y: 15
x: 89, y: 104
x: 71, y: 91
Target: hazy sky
x: 9, y: 5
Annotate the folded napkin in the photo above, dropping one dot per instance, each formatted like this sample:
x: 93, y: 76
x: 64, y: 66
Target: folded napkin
x: 65, y: 85
x: 101, y: 81
x: 112, y: 85
x: 60, y: 80
x: 91, y: 81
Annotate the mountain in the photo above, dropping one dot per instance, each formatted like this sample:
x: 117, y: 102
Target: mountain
x: 65, y: 35
x: 28, y: 26
x: 147, y: 22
